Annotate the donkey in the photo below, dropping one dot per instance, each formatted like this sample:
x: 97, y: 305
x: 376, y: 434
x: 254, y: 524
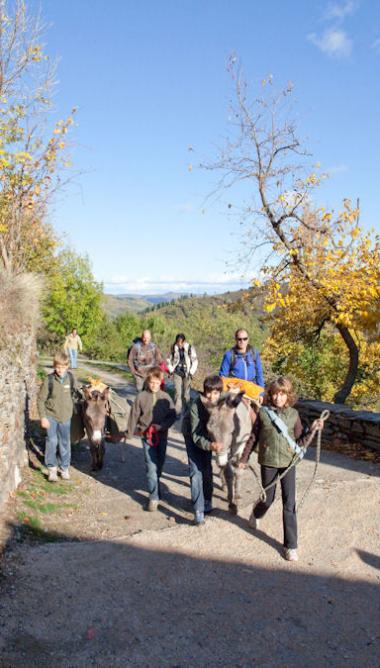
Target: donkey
x: 95, y: 411
x: 230, y: 423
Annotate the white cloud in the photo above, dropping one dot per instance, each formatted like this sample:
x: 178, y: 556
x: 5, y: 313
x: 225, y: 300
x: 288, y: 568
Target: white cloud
x: 334, y: 43
x: 146, y: 285
x: 376, y: 44
x: 186, y: 207
x: 337, y: 169
x: 340, y: 11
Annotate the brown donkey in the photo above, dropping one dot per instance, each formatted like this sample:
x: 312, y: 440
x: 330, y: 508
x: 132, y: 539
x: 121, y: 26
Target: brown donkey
x: 95, y: 410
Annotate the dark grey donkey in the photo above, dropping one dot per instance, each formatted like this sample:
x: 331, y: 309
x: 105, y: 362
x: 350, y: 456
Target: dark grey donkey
x: 230, y: 423
x: 95, y: 410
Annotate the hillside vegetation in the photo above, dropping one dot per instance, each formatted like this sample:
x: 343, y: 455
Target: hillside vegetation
x: 115, y: 305
x: 209, y: 323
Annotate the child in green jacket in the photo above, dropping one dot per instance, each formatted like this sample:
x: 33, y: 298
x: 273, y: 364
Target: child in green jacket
x: 55, y: 406
x: 279, y: 433
x: 200, y: 446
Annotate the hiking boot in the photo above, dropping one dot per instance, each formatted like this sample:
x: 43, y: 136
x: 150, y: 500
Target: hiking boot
x: 253, y: 522
x: 290, y: 554
x: 152, y: 505
x: 52, y: 474
x: 65, y: 474
x: 208, y: 507
x: 199, y: 518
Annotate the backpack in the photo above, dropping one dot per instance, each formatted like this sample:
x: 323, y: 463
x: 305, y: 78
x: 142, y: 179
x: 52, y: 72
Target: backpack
x: 51, y: 381
x: 77, y: 430
x: 233, y: 357
x: 137, y: 340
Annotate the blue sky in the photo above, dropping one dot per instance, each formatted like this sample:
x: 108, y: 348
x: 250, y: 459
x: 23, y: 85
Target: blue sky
x: 149, y: 80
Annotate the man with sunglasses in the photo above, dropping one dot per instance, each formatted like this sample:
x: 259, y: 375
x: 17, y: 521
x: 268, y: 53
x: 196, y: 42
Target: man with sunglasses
x: 242, y: 361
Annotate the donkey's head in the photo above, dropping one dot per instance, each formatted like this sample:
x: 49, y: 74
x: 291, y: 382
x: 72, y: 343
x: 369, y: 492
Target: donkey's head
x: 95, y: 411
x: 230, y: 424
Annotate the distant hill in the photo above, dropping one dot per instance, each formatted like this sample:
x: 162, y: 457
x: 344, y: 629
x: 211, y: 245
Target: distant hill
x: 209, y: 322
x: 115, y: 305
x: 155, y: 299
x: 239, y: 301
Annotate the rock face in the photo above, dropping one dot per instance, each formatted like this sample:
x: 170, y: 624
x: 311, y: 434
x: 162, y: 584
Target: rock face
x: 344, y: 424
x: 17, y: 372
x: 18, y: 314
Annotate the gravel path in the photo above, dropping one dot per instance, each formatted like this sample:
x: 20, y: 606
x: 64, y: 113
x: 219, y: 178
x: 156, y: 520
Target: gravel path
x: 123, y: 587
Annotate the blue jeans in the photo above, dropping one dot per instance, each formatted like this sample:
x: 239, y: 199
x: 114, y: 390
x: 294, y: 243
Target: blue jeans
x: 58, y: 437
x: 200, y: 471
x: 73, y: 358
x: 154, y: 461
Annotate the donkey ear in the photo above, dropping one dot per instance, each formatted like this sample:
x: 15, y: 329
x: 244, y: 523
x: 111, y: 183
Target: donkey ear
x: 233, y: 399
x: 87, y: 392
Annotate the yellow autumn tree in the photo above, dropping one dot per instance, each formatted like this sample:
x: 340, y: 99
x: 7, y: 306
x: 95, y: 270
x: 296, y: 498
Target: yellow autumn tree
x: 30, y: 159
x: 320, y: 269
x: 339, y: 285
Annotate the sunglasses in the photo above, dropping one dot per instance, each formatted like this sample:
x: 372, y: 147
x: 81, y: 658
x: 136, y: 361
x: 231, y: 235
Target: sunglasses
x: 242, y: 338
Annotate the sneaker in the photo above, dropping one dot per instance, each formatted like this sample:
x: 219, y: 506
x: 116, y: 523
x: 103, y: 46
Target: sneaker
x: 290, y: 554
x: 208, y: 507
x: 253, y: 522
x: 152, y: 505
x: 65, y: 475
x: 52, y: 474
x: 199, y: 518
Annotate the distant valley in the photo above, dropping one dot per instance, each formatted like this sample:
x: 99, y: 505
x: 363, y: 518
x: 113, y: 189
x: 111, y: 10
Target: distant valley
x: 115, y: 305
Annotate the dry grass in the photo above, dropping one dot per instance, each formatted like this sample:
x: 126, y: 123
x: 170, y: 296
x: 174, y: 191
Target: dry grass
x: 19, y: 301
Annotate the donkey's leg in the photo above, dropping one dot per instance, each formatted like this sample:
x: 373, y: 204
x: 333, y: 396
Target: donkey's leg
x: 94, y: 458
x: 229, y: 477
x: 237, y: 483
x: 101, y: 451
x: 223, y: 479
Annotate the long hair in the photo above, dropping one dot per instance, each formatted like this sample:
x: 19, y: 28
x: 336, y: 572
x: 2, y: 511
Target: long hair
x: 179, y: 337
x: 281, y: 384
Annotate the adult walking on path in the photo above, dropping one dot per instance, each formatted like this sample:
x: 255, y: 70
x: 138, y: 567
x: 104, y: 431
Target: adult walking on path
x: 242, y: 361
x: 143, y: 356
x: 71, y: 346
x: 182, y: 363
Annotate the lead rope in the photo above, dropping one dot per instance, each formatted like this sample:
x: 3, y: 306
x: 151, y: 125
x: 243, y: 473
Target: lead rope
x: 296, y: 458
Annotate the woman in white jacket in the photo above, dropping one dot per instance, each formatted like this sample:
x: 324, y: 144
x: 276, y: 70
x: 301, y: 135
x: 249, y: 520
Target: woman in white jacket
x: 182, y: 363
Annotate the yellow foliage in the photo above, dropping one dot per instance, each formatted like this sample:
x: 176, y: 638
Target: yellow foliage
x: 339, y: 283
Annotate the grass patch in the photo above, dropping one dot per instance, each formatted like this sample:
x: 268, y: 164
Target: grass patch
x: 47, y: 507
x: 32, y: 529
x: 39, y: 484
x: 30, y: 521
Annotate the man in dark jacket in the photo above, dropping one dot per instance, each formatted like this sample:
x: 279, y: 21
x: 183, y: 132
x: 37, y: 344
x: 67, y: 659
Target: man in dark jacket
x: 242, y: 361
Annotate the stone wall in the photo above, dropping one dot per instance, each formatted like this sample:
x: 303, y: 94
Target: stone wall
x: 18, y: 315
x: 344, y: 424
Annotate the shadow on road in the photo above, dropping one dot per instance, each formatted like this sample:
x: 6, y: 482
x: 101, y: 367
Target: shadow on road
x: 111, y: 604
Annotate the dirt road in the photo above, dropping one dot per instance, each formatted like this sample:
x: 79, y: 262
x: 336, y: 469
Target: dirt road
x: 100, y: 582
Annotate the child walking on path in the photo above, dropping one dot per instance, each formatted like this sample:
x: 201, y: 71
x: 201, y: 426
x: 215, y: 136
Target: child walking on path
x: 151, y: 417
x: 279, y: 433
x: 200, y: 447
x: 55, y: 407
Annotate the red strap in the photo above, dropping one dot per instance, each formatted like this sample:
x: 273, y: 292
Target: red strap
x: 152, y: 436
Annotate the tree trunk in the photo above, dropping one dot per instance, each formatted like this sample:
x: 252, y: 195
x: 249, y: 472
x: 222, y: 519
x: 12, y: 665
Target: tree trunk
x: 342, y: 394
